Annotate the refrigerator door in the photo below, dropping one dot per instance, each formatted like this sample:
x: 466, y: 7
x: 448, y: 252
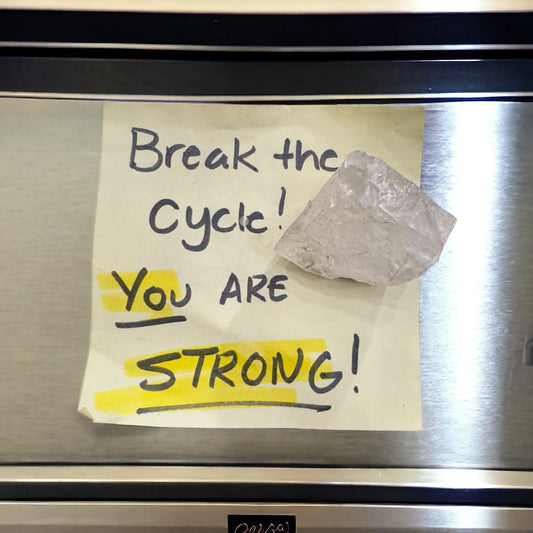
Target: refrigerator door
x: 475, y: 305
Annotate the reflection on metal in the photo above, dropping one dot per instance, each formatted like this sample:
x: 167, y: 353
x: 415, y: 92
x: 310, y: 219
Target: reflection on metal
x: 478, y: 145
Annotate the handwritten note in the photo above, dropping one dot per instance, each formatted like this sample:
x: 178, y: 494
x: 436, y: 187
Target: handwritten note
x: 196, y: 322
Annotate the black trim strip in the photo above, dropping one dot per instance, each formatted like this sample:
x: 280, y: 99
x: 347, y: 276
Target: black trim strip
x: 265, y: 29
x: 255, y: 77
x: 264, y: 492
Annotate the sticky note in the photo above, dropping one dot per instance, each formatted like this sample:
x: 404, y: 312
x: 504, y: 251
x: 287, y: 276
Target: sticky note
x: 196, y: 322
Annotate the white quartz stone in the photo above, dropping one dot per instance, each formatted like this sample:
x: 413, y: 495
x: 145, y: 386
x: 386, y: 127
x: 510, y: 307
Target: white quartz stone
x: 368, y: 223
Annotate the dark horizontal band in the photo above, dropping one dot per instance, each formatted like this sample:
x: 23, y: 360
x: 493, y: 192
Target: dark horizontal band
x: 255, y: 78
x: 267, y: 30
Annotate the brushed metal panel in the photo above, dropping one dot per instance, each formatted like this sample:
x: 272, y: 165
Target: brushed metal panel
x: 279, y: 477
x: 157, y: 517
x: 476, y: 305
x: 292, y: 6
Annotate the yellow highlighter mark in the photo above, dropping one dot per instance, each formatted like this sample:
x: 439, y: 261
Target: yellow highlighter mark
x: 244, y: 375
x: 153, y: 292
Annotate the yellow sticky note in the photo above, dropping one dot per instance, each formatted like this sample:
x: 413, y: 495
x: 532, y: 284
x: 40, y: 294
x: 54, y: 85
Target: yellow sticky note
x: 196, y: 322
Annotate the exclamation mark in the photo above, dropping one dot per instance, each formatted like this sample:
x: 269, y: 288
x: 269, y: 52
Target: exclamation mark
x: 355, y: 357
x: 281, y: 205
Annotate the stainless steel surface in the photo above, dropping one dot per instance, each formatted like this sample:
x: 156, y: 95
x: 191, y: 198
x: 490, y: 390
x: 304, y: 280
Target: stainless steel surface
x: 266, y: 49
x: 279, y: 6
x: 476, y: 305
x: 84, y: 517
x: 434, y: 478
